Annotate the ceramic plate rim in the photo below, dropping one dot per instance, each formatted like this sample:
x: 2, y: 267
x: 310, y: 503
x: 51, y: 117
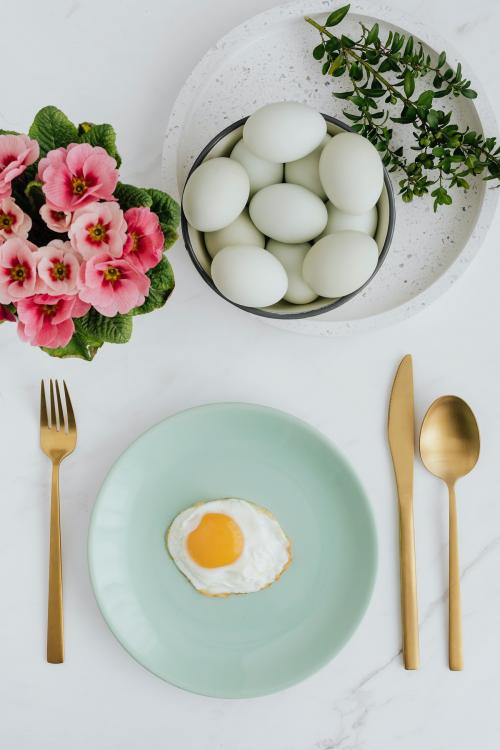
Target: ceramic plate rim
x: 186, y: 98
x: 371, y: 522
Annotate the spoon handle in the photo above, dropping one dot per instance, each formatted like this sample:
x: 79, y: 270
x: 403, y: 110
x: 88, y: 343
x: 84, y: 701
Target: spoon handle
x: 455, y: 614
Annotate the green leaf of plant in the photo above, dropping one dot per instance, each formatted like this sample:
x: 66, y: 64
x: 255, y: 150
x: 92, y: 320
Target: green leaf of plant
x: 162, y: 285
x: 339, y: 60
x: 8, y: 132
x: 169, y: 213
x: 469, y: 93
x: 441, y: 59
x: 337, y: 16
x: 343, y: 94
x: 130, y: 196
x: 409, y: 83
x: 372, y: 35
x: 385, y: 65
x: 97, y: 327
x: 409, y: 47
x: 433, y: 118
x: 332, y: 45
x: 425, y: 99
x: 52, y: 129
x: 79, y: 346
x: 100, y: 135
x: 319, y: 52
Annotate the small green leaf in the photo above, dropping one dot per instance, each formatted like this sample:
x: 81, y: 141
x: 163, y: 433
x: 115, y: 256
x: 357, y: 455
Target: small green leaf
x: 169, y: 213
x: 8, y: 132
x: 100, y: 135
x: 425, y: 99
x: 79, y: 346
x: 52, y: 129
x: 347, y: 41
x: 337, y: 16
x: 372, y: 35
x: 409, y: 83
x: 355, y: 72
x: 162, y: 286
x: 319, y: 52
x: 385, y: 65
x: 97, y: 327
x: 441, y: 60
x: 351, y: 117
x: 339, y: 60
x: 343, y: 94
x: 332, y: 45
x: 409, y: 47
x: 130, y: 196
x: 469, y: 93
x: 433, y: 118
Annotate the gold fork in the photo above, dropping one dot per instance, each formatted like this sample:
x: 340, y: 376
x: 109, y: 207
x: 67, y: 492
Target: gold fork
x: 57, y: 440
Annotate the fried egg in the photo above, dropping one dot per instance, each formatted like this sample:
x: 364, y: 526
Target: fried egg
x: 228, y: 546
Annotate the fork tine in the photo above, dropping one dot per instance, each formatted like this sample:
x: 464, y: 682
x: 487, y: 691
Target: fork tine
x: 44, y: 422
x: 69, y: 409
x: 62, y: 420
x: 53, y: 418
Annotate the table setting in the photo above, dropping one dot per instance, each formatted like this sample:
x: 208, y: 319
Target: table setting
x: 247, y: 384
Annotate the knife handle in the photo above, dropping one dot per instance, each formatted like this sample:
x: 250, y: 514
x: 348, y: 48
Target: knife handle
x: 408, y: 588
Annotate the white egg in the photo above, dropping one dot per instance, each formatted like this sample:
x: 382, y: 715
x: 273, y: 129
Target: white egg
x: 340, y: 263
x: 292, y: 258
x: 215, y: 194
x: 339, y: 220
x: 240, y: 232
x: 249, y: 276
x: 228, y: 546
x: 284, y: 131
x: 305, y: 171
x: 351, y: 173
x: 288, y: 213
x: 260, y: 171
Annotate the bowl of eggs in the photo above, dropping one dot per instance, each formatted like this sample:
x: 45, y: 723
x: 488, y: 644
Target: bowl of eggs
x: 287, y: 213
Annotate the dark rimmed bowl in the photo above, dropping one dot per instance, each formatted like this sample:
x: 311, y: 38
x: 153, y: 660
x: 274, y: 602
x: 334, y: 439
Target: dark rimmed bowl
x: 222, y: 145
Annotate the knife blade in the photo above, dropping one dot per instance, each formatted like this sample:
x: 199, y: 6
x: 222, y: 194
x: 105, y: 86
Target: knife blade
x: 401, y: 429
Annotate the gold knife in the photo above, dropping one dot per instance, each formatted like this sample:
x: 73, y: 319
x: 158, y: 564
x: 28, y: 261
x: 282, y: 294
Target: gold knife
x: 402, y: 444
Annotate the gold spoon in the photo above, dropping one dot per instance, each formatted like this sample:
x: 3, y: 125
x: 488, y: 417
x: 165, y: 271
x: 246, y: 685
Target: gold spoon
x: 449, y: 447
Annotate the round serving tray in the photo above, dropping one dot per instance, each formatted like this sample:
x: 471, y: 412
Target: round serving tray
x: 268, y: 58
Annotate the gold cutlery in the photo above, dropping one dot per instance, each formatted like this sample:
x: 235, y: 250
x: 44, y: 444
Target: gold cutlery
x: 402, y: 445
x: 57, y: 440
x: 449, y: 447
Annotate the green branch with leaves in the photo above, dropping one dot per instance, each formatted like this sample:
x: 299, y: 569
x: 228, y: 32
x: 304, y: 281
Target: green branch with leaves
x: 382, y: 77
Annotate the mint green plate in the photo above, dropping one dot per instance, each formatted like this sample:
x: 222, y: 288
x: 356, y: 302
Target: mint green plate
x: 251, y: 644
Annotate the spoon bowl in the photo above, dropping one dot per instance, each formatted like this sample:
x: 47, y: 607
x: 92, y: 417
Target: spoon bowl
x: 449, y: 439
x: 449, y: 447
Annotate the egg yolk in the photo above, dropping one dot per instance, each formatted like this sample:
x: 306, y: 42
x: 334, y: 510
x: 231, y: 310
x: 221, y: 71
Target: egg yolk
x: 216, y: 541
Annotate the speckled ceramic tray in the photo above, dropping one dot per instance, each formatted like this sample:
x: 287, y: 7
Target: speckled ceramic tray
x: 268, y: 58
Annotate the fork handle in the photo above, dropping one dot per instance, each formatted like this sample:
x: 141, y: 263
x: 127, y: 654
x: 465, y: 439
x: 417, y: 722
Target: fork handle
x: 55, y: 638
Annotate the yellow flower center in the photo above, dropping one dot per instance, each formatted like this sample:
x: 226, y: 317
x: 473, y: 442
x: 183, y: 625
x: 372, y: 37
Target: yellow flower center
x: 112, y: 274
x: 97, y: 233
x: 58, y: 271
x: 79, y: 185
x: 18, y: 272
x: 6, y: 220
x: 49, y: 310
x: 135, y: 241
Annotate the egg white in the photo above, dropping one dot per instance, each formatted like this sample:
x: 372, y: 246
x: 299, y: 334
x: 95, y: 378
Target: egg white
x: 266, y: 550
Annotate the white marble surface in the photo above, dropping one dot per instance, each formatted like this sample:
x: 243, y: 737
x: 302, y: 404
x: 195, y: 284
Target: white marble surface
x: 124, y: 62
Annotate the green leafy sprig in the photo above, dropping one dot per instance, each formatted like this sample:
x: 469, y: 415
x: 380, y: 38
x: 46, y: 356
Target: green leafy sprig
x: 445, y: 156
